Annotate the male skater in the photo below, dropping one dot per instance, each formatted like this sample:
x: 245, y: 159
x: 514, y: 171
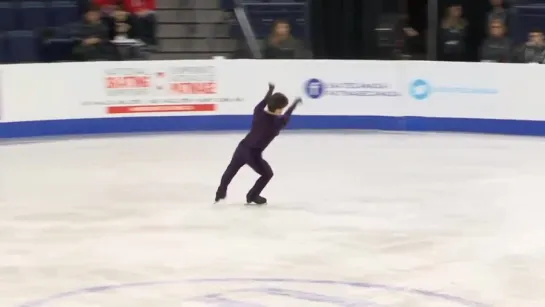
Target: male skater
x: 266, y: 125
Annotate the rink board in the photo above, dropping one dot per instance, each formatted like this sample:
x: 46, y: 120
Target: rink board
x: 215, y: 95
x: 242, y: 122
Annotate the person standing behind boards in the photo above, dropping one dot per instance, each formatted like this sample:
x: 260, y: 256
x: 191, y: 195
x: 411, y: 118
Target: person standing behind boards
x: 282, y: 45
x: 533, y: 51
x: 452, y: 35
x: 497, y: 47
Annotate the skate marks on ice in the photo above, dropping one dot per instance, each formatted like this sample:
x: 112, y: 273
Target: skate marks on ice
x: 253, y: 292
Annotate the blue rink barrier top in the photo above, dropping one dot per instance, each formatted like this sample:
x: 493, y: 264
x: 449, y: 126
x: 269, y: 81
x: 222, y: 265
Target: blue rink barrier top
x: 42, y: 100
x: 242, y: 122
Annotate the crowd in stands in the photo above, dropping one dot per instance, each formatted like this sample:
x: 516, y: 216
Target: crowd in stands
x: 503, y: 43
x: 91, y: 30
x: 76, y: 30
x: 278, y: 25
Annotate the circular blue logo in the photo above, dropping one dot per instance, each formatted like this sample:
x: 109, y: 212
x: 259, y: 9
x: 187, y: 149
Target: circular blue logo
x: 420, y: 89
x: 315, y: 88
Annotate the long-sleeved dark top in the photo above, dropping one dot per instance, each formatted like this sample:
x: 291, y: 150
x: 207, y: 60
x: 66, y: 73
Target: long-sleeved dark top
x: 266, y: 126
x: 290, y: 48
x: 88, y: 30
x: 532, y: 54
x: 496, y: 49
x: 453, y: 40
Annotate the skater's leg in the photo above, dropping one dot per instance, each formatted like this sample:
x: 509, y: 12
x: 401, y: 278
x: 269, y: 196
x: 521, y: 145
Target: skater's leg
x: 234, y: 166
x: 262, y: 167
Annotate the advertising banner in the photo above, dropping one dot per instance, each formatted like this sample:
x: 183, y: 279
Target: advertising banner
x: 473, y: 90
x: 157, y: 88
x: 352, y: 87
x: 33, y: 92
x: 120, y: 89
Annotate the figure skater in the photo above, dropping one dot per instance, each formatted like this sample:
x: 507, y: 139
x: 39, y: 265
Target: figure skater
x: 266, y: 125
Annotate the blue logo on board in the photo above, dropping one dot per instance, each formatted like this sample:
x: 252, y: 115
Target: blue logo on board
x: 420, y: 89
x: 315, y: 88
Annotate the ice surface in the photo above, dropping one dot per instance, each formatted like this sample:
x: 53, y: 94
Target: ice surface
x: 459, y: 217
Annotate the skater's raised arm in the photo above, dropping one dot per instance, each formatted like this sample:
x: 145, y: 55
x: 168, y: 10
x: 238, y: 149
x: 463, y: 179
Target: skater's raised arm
x: 261, y: 105
x: 287, y: 115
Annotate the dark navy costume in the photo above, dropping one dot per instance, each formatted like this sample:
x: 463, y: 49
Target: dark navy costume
x: 265, y: 127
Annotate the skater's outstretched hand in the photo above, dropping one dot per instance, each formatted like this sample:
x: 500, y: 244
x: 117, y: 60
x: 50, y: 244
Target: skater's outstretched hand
x: 262, y: 104
x: 287, y: 115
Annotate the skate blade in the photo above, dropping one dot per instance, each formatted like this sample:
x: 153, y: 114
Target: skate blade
x: 255, y: 205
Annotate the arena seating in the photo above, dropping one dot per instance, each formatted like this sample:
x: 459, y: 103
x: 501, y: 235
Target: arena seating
x: 22, y: 22
x: 527, y: 16
x: 263, y: 13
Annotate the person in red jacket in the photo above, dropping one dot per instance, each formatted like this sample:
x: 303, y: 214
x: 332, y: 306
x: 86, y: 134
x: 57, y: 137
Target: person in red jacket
x: 142, y: 13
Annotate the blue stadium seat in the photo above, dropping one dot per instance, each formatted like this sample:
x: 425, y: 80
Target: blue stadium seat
x: 22, y: 47
x: 64, y: 12
x: 526, y: 19
x: 227, y: 5
x: 8, y: 17
x: 34, y: 15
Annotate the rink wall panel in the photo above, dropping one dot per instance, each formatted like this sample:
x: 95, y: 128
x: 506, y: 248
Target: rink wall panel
x: 43, y: 100
x: 77, y: 127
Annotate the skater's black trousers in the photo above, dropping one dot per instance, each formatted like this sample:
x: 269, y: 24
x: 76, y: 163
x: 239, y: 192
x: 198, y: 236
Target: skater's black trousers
x: 252, y: 157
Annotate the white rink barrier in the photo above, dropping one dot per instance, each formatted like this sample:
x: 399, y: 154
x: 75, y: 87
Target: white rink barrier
x: 162, y: 96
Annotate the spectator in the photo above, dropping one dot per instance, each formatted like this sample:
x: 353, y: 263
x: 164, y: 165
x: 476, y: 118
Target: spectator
x: 414, y: 29
x: 118, y: 20
x: 453, y: 34
x: 497, y: 47
x: 281, y: 45
x: 413, y: 42
x: 93, y: 35
x: 498, y: 12
x: 533, y: 51
x: 142, y: 16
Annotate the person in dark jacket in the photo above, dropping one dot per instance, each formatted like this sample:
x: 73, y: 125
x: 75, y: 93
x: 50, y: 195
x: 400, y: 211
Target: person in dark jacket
x: 266, y: 125
x: 142, y: 16
x: 119, y: 22
x: 281, y: 45
x: 93, y: 36
x: 453, y: 34
x: 532, y: 51
x: 497, y: 47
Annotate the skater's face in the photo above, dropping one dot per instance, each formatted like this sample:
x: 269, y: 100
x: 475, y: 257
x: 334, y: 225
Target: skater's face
x: 279, y: 111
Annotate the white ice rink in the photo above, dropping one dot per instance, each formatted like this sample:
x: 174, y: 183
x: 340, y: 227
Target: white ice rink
x: 359, y: 219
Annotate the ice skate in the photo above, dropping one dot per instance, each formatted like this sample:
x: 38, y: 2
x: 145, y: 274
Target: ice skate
x: 258, y: 200
x: 219, y: 197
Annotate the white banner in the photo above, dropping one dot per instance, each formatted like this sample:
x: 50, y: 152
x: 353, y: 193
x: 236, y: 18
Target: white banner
x: 120, y: 89
x: 352, y: 88
x: 470, y: 90
x: 223, y: 87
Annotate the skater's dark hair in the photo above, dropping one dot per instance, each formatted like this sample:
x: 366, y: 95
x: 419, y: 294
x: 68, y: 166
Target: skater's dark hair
x: 277, y: 101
